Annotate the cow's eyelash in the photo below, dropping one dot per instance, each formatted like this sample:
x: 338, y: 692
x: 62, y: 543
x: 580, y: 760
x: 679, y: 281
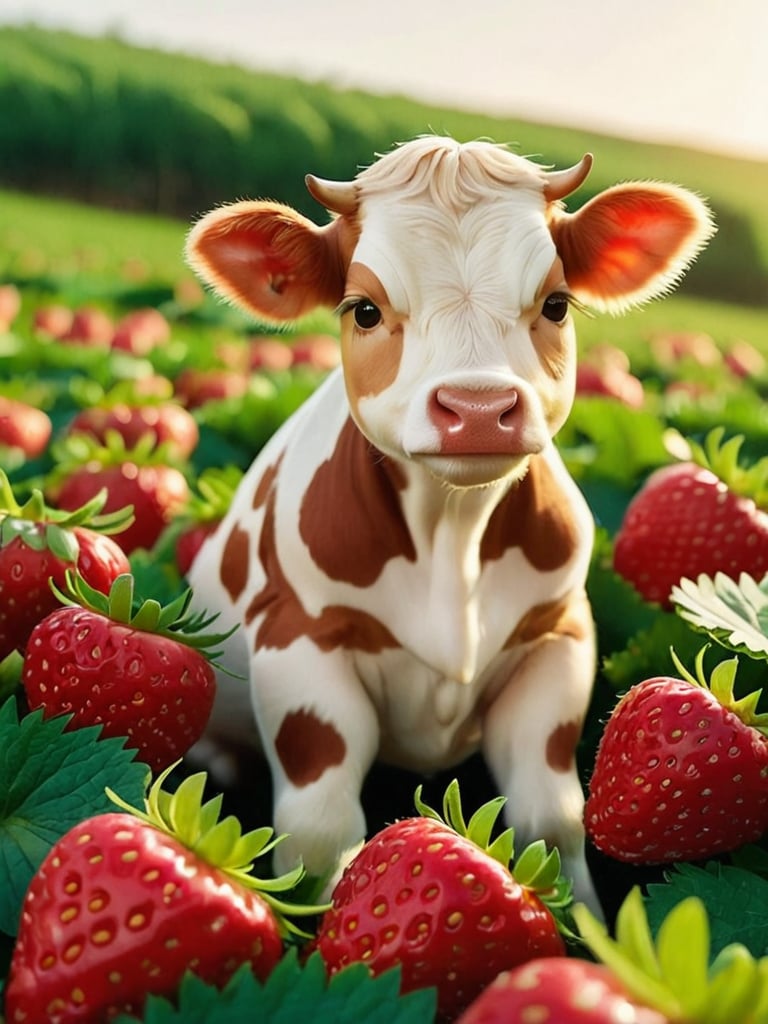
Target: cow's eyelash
x: 348, y: 304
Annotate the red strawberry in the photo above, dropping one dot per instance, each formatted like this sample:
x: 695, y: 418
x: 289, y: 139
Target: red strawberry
x: 610, y: 381
x: 166, y: 422
x: 196, y: 387
x: 23, y: 426
x: 690, y: 519
x: 435, y: 898
x: 38, y: 544
x: 640, y: 981
x: 140, y: 673
x: 140, y: 331
x: 561, y: 991
x: 681, y: 770
x: 139, y: 476
x: 125, y: 903
x: 10, y: 305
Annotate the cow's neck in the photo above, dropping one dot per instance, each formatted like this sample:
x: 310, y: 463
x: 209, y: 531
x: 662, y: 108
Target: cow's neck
x: 448, y: 525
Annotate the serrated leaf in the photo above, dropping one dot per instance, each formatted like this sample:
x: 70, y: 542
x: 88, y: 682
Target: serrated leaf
x: 736, y: 902
x: 647, y: 652
x: 735, y: 614
x: 293, y: 993
x: 49, y: 781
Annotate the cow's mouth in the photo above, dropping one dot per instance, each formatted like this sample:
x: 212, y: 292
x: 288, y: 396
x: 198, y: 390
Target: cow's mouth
x: 473, y: 469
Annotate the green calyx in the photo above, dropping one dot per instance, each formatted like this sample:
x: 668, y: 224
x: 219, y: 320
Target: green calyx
x: 536, y: 868
x: 173, y: 620
x: 672, y: 974
x: 76, y: 450
x: 220, y: 842
x: 24, y: 521
x: 215, y: 489
x: 722, y: 458
x: 721, y: 685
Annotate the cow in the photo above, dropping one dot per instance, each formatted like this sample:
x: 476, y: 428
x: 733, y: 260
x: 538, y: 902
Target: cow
x: 407, y: 555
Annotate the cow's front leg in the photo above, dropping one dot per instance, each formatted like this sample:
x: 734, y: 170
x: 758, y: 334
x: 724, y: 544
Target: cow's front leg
x: 529, y: 740
x: 320, y: 733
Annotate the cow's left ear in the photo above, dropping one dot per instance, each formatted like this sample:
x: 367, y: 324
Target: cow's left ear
x: 268, y: 259
x: 631, y: 243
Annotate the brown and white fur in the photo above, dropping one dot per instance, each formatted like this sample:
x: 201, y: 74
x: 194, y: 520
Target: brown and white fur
x: 407, y: 556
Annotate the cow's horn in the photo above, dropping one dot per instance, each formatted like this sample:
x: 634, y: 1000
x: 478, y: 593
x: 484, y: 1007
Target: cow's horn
x: 560, y: 184
x: 337, y: 196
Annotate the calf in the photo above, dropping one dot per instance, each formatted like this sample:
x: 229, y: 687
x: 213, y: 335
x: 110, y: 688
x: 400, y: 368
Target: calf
x: 407, y: 556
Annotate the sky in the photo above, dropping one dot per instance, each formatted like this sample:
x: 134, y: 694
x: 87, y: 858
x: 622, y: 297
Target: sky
x: 692, y: 72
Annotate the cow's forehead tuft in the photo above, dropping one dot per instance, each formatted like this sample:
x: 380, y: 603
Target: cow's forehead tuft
x: 452, y: 173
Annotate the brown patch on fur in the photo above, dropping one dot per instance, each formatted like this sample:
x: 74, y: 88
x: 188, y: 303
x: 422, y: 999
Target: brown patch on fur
x: 350, y: 517
x: 307, y: 747
x: 561, y: 746
x: 285, y: 618
x: 534, y: 517
x: 553, y: 618
x: 371, y: 358
x: 265, y: 484
x: 235, y: 559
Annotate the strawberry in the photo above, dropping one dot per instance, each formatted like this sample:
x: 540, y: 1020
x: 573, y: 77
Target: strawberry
x: 696, y: 517
x: 10, y: 305
x: 24, y: 427
x: 141, y: 476
x: 126, y: 902
x: 610, y: 381
x: 639, y: 981
x: 681, y: 770
x: 38, y: 544
x: 195, y: 387
x: 166, y: 422
x: 558, y: 990
x: 434, y: 897
x: 137, y: 672
x: 141, y: 330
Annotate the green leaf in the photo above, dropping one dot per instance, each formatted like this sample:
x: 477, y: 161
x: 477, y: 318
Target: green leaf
x: 735, y: 614
x: 293, y: 993
x: 49, y: 781
x: 736, y: 902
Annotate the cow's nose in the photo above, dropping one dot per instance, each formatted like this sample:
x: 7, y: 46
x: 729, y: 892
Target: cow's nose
x: 473, y: 422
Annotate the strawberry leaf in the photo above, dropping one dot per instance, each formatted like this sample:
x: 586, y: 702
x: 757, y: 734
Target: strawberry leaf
x: 293, y: 993
x: 735, y: 614
x: 735, y: 900
x: 49, y: 781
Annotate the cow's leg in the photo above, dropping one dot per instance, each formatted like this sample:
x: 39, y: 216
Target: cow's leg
x: 529, y: 738
x: 320, y: 733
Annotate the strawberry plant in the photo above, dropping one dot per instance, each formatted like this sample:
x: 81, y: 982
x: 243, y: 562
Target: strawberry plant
x: 38, y: 544
x: 437, y: 897
x: 143, y: 476
x: 142, y: 672
x: 681, y: 771
x: 126, y: 902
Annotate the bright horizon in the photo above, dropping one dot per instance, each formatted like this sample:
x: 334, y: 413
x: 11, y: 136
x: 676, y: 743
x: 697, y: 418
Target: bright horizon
x: 689, y: 72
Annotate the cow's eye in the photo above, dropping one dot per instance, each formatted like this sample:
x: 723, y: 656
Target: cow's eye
x: 555, y: 307
x: 367, y: 315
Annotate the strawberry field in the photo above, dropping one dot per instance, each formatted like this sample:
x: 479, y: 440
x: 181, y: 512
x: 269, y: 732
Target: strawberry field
x: 123, y: 384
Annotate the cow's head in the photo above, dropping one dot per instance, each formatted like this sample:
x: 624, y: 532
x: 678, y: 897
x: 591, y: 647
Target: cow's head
x: 454, y: 267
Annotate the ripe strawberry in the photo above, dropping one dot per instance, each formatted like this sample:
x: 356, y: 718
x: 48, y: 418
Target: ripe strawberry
x: 38, y: 544
x: 610, y: 381
x: 141, y: 330
x: 681, y: 770
x: 640, y: 981
x: 126, y: 902
x: 195, y: 388
x: 140, y: 673
x: 139, y: 476
x: 693, y: 518
x: 165, y: 422
x: 560, y: 990
x: 432, y: 896
x: 24, y: 427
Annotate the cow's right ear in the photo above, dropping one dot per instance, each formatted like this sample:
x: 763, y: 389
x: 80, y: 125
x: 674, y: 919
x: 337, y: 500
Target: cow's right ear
x: 268, y: 259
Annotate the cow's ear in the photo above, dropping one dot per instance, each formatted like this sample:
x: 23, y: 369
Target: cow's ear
x: 631, y: 243
x: 267, y: 259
